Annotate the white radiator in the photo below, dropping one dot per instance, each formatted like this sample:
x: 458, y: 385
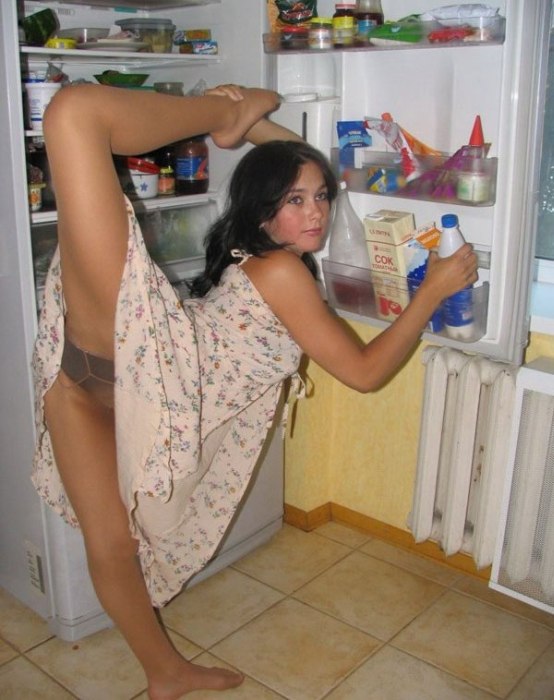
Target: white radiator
x: 466, y: 421
x: 524, y: 559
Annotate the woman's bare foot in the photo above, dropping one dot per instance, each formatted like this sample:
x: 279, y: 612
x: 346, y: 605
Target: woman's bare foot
x: 195, y: 677
x: 243, y: 114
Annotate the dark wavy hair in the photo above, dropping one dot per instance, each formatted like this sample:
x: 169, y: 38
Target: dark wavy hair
x: 257, y: 189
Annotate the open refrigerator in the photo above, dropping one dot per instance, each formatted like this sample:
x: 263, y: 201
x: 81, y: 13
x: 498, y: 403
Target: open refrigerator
x: 433, y: 90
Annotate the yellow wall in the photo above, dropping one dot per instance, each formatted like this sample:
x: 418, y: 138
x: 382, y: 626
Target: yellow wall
x: 360, y: 451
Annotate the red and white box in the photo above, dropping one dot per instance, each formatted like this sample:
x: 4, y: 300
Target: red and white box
x: 404, y: 258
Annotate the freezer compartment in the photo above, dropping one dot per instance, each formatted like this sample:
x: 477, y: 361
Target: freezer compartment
x: 384, y: 296
x: 467, y: 181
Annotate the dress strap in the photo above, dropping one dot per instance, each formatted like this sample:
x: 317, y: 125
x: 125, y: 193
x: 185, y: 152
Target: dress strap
x: 297, y: 390
x: 237, y: 253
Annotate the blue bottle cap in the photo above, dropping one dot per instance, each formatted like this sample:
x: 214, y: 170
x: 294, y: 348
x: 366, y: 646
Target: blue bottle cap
x: 449, y: 220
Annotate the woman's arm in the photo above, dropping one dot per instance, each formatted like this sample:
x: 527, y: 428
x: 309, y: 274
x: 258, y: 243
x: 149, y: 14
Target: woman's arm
x: 289, y: 289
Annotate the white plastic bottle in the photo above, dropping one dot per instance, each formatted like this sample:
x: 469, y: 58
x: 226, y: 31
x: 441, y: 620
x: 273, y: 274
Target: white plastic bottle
x: 459, y: 321
x: 347, y: 243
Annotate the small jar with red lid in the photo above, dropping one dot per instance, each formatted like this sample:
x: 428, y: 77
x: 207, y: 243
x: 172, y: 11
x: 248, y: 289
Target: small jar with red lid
x: 294, y: 37
x: 144, y: 176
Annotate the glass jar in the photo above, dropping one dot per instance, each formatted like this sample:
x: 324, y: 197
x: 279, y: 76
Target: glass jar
x: 344, y: 25
x: 294, y: 37
x: 369, y: 14
x: 165, y: 158
x: 320, y: 35
x: 192, y: 166
x: 170, y: 88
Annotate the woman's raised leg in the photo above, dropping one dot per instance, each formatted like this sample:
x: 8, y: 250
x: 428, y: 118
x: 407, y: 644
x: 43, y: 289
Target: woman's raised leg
x: 83, y: 127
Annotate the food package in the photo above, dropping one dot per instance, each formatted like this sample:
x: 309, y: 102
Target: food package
x: 402, y: 259
x: 407, y: 30
x: 395, y: 138
x: 286, y: 12
x: 388, y: 226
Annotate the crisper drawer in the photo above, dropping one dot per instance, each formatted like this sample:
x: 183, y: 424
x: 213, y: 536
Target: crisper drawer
x: 177, y: 233
x: 383, y: 296
x: 174, y: 237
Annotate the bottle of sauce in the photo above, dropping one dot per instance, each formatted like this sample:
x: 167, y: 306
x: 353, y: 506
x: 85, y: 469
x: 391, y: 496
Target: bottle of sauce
x: 165, y: 159
x: 344, y: 25
x: 192, y: 166
x: 368, y: 15
x: 458, y: 312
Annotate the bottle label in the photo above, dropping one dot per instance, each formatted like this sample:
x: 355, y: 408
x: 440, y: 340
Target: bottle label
x: 365, y: 26
x: 192, y: 168
x: 458, y: 309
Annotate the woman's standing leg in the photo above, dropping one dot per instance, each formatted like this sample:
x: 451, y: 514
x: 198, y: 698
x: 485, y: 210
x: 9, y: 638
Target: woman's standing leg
x: 83, y: 127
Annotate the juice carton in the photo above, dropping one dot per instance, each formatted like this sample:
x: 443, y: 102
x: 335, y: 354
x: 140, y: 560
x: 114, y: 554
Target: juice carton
x: 391, y: 295
x: 388, y: 226
x: 405, y: 257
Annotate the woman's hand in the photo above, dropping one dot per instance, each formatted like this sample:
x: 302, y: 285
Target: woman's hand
x: 446, y: 276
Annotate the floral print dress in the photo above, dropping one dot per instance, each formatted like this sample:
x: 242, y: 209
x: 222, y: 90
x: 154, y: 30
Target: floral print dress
x: 197, y: 387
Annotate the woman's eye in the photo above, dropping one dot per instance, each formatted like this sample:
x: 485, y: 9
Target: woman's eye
x: 295, y: 200
x: 322, y: 196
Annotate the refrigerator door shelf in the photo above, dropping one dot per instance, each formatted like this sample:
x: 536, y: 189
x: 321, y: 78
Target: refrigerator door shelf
x: 382, y: 297
x: 473, y: 183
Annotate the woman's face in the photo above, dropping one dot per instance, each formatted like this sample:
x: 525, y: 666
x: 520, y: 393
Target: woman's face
x: 301, y: 222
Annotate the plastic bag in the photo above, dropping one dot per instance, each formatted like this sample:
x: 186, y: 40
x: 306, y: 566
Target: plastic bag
x: 286, y: 12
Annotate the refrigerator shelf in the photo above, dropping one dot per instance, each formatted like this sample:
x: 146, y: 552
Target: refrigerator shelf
x: 380, y: 173
x: 449, y: 32
x: 49, y: 215
x: 382, y: 297
x: 137, y: 60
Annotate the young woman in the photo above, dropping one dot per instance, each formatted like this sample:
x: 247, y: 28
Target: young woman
x: 151, y: 413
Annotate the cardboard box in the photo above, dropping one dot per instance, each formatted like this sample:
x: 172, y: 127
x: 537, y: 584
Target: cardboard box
x: 388, y: 226
x: 391, y: 295
x: 406, y: 257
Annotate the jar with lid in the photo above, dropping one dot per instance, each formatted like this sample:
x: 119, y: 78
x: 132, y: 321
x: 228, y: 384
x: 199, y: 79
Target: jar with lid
x: 192, y: 166
x: 369, y: 14
x: 294, y: 37
x: 165, y: 159
x: 170, y: 88
x: 320, y: 35
x: 344, y: 25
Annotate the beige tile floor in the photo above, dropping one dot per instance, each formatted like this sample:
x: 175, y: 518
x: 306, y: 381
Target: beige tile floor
x: 329, y: 614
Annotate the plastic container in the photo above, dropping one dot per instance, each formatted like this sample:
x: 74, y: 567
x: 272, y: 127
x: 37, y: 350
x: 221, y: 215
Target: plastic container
x: 143, y: 178
x: 458, y: 310
x: 156, y: 33
x: 347, y: 243
x: 39, y: 95
x: 192, y: 166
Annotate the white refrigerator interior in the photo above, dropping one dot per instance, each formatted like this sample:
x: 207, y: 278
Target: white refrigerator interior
x: 42, y: 560
x: 434, y: 92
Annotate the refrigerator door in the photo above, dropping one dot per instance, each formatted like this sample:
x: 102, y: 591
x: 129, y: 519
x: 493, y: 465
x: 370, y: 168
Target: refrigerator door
x: 435, y: 91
